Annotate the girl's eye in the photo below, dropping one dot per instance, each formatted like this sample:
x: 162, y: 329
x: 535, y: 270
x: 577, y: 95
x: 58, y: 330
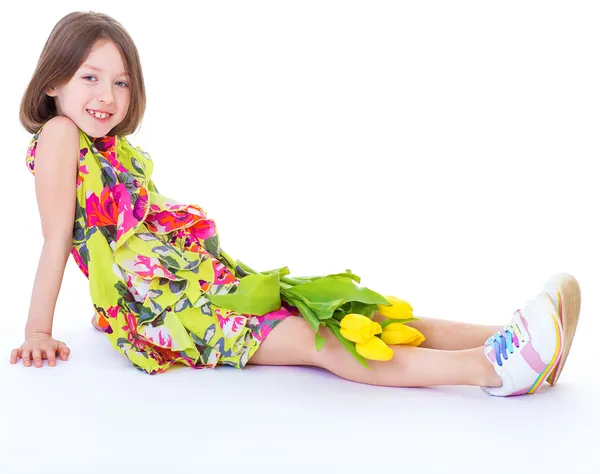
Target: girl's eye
x: 125, y: 84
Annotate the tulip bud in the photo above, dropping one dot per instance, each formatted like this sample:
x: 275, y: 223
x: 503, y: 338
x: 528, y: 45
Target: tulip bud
x: 376, y: 328
x: 399, y: 309
x: 375, y: 349
x: 356, y: 336
x: 359, y: 328
x: 399, y: 333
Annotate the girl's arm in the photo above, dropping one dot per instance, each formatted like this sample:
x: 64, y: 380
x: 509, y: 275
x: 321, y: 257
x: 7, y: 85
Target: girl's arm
x: 56, y: 169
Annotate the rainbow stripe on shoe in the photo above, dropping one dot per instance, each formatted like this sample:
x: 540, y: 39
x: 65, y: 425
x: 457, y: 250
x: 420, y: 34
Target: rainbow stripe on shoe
x: 525, y: 351
x: 554, y: 373
x: 553, y: 362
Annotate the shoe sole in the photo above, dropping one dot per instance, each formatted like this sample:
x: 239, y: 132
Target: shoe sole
x: 569, y: 304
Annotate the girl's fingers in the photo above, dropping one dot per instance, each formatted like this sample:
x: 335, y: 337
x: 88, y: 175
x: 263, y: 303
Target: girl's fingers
x: 51, y: 356
x: 15, y: 355
x: 37, y: 357
x: 26, y: 357
x: 64, y: 351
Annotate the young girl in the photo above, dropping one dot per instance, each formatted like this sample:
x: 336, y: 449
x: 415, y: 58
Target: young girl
x: 163, y: 290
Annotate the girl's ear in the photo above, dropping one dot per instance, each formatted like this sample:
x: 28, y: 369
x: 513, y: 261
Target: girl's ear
x: 51, y: 91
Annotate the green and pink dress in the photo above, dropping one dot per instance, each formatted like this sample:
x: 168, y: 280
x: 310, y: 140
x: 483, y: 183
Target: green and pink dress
x: 151, y: 261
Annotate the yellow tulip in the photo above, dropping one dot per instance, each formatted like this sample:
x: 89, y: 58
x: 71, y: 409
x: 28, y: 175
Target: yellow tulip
x: 399, y: 333
x: 399, y: 309
x: 359, y: 328
x: 355, y: 336
x: 376, y: 327
x: 375, y: 349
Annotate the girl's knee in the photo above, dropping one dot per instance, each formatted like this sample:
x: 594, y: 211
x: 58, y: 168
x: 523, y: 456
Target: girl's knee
x: 291, y: 342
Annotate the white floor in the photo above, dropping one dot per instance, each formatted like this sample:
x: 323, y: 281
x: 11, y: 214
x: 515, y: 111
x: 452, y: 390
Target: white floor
x: 96, y: 414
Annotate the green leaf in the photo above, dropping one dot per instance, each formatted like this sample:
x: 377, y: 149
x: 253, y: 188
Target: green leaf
x: 305, y: 311
x: 283, y: 271
x: 358, y: 307
x: 256, y: 294
x: 325, y: 295
x: 348, y: 275
x: 319, y: 341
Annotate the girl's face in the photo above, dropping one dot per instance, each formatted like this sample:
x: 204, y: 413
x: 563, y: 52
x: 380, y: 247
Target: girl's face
x: 100, y: 84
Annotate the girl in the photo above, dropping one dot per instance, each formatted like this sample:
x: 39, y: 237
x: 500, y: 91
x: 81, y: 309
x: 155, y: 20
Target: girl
x: 165, y: 292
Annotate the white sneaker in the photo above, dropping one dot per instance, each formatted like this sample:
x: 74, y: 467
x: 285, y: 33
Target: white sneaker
x: 526, y: 350
x: 566, y: 296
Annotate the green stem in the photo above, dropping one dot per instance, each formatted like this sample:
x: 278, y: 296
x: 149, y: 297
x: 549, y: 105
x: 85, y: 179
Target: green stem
x: 245, y: 267
x: 227, y: 257
x: 291, y: 281
x: 288, y: 280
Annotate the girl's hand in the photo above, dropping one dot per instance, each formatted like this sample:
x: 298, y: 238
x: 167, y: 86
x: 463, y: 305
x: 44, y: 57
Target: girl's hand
x: 40, y: 346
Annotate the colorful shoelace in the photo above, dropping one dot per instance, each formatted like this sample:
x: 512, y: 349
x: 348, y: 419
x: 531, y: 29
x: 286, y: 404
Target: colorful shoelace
x: 505, y: 340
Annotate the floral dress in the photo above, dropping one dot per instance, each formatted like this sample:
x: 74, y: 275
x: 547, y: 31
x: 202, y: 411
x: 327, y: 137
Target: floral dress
x: 152, y: 265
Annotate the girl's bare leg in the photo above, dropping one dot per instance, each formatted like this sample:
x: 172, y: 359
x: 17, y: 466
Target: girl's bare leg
x: 291, y: 342
x: 449, y: 335
x: 458, y: 360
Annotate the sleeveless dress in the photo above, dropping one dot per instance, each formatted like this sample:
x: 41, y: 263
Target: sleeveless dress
x: 153, y: 264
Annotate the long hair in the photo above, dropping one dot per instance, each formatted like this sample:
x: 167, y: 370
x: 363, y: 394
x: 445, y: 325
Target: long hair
x: 67, y: 47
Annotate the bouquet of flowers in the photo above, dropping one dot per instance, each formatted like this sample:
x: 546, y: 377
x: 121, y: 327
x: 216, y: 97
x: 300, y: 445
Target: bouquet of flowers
x: 333, y: 301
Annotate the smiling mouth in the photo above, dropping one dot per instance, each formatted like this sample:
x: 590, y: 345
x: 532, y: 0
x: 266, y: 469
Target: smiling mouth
x: 99, y: 118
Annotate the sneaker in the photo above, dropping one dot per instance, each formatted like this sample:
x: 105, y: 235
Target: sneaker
x: 566, y: 296
x: 526, y: 350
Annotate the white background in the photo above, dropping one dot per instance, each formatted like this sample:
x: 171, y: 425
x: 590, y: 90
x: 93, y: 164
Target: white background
x: 446, y: 152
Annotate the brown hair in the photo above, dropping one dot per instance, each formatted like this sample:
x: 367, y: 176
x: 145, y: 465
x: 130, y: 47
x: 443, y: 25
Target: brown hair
x: 67, y: 47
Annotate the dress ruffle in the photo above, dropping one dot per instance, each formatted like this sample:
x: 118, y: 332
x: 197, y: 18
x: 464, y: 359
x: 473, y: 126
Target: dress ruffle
x: 151, y: 300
